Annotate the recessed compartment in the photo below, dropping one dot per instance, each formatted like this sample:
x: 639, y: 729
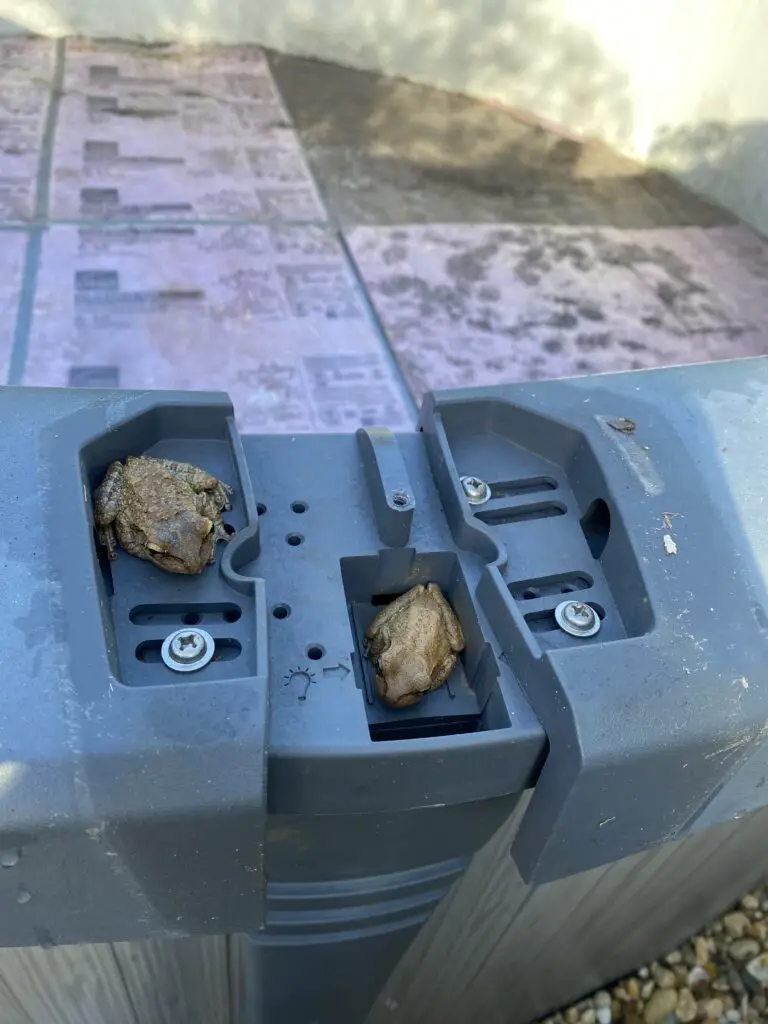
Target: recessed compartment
x: 469, y: 701
x: 142, y: 603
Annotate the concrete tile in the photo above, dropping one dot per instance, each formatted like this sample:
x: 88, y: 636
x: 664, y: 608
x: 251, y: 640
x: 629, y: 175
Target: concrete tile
x: 26, y: 70
x: 472, y: 304
x: 154, y: 133
x: 13, y: 248
x: 270, y: 314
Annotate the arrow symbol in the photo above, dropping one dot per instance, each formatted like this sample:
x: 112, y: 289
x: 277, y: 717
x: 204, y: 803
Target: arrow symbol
x: 339, y: 671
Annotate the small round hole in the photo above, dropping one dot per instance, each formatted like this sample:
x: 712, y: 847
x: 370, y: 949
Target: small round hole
x: 400, y: 499
x: 530, y: 593
x: 228, y: 529
x: 294, y: 539
x: 232, y: 614
x: 298, y: 507
x: 261, y: 509
x: 315, y: 652
x: 281, y: 611
x: 190, y: 619
x: 567, y: 588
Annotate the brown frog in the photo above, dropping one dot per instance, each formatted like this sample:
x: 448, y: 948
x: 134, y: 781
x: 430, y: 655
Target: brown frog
x: 166, y: 512
x: 413, y: 644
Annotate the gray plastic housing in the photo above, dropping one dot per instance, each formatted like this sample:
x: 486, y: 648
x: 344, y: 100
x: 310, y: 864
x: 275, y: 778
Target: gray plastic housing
x: 162, y: 799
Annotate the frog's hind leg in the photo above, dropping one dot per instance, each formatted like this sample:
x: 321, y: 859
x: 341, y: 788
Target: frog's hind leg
x: 107, y: 500
x: 200, y: 481
x: 390, y: 610
x: 451, y: 623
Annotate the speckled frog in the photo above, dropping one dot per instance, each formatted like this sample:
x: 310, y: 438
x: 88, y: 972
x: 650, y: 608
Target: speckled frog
x: 169, y: 513
x: 413, y: 643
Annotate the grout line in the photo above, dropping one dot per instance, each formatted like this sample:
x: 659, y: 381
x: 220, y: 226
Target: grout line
x: 377, y: 325
x: 332, y: 224
x: 26, y: 306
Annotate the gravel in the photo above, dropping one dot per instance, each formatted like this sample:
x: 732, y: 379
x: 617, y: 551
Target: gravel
x: 717, y: 977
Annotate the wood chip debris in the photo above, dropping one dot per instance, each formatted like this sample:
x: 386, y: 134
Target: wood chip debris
x: 670, y: 547
x: 623, y: 424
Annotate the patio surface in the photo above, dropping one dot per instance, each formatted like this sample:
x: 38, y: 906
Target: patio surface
x: 326, y: 244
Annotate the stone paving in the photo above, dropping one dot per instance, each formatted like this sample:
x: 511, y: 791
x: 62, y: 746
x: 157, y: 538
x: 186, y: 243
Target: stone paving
x: 327, y: 244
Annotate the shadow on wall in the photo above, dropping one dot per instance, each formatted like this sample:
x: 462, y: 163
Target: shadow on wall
x: 726, y: 161
x: 526, y: 53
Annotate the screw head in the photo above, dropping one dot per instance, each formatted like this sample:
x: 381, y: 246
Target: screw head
x: 187, y: 650
x: 577, y: 618
x: 477, y: 491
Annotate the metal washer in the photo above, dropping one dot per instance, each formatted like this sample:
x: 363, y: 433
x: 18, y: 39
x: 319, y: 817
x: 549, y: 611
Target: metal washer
x: 188, y: 666
x: 572, y: 628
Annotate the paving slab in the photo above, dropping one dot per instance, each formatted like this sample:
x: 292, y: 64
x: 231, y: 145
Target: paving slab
x: 26, y: 74
x: 270, y: 314
x: 176, y: 133
x: 477, y: 304
x: 13, y: 249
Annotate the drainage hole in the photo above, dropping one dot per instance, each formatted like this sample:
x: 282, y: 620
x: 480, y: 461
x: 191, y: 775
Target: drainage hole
x: 400, y: 499
x: 232, y: 614
x: 294, y: 539
x: 261, y: 509
x: 530, y: 592
x: 190, y: 619
x: 281, y: 611
x: 315, y: 652
x: 298, y: 507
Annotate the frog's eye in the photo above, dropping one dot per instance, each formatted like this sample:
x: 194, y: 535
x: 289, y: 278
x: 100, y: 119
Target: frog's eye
x: 156, y: 548
x: 206, y: 528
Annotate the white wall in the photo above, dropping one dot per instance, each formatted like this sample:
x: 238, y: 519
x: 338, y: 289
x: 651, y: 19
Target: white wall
x: 683, y: 83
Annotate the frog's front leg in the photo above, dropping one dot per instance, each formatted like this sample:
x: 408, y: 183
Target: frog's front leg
x: 442, y: 671
x: 107, y: 501
x: 451, y: 624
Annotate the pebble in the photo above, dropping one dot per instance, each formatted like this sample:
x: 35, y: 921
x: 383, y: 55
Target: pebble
x: 719, y: 976
x: 663, y: 977
x: 736, y: 924
x: 701, y: 946
x: 758, y: 970
x: 696, y: 975
x: 660, y: 1005
x: 744, y: 949
x: 686, y: 1008
x: 712, y: 1009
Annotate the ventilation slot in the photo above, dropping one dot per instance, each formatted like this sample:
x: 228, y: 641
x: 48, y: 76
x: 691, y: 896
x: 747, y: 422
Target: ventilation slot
x: 532, y: 485
x: 502, y: 516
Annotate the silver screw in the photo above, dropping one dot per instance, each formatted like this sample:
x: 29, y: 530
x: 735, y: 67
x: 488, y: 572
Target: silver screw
x: 577, y: 618
x: 187, y: 650
x: 476, y: 490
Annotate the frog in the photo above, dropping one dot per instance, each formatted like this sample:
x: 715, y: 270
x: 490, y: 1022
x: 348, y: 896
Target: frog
x: 167, y: 512
x: 414, y: 644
